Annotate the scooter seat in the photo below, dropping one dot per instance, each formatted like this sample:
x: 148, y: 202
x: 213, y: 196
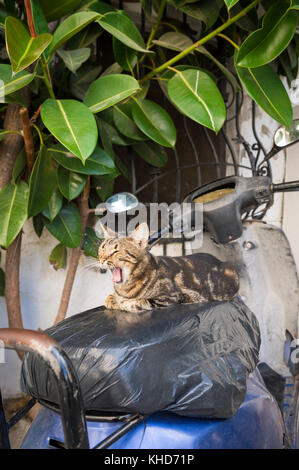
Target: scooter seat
x: 191, y: 359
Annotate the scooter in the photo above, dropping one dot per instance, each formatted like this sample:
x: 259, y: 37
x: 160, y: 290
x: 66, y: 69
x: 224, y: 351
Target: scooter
x: 232, y: 211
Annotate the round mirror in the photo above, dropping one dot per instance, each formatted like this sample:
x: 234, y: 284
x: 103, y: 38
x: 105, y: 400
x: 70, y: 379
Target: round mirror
x: 285, y: 136
x: 121, y: 202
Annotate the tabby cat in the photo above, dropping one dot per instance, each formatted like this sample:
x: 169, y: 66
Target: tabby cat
x: 143, y: 281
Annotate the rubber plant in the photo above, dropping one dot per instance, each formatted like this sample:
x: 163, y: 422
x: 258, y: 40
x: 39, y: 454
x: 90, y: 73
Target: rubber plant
x: 64, y: 115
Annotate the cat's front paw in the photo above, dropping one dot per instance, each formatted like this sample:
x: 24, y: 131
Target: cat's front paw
x: 110, y: 302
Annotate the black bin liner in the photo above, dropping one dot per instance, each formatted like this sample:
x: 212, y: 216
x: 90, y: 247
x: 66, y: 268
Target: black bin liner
x: 191, y: 359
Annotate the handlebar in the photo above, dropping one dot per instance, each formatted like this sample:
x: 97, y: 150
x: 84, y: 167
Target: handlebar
x: 53, y: 356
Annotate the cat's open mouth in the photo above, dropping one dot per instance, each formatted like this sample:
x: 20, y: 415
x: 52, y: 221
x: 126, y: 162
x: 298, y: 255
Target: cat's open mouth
x: 116, y: 274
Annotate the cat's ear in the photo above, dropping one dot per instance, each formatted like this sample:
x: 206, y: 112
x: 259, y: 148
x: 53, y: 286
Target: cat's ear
x: 141, y: 235
x: 108, y: 233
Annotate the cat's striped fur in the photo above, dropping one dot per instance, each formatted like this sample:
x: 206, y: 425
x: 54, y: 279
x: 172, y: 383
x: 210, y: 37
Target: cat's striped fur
x: 143, y: 281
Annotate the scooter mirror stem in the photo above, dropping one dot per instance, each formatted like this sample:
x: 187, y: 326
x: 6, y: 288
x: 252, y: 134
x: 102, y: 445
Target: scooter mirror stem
x: 285, y: 187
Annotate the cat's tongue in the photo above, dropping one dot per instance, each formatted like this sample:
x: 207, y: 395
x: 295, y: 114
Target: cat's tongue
x: 116, y: 275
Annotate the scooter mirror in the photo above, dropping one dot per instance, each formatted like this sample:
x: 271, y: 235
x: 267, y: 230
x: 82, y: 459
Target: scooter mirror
x: 285, y: 136
x: 121, y: 202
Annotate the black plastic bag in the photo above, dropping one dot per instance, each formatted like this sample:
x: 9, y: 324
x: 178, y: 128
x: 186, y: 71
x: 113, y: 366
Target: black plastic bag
x: 191, y: 359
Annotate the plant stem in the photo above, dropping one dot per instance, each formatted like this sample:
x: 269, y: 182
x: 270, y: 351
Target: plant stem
x: 82, y: 203
x: 229, y: 40
x: 46, y: 76
x: 202, y: 41
x: 156, y: 25
x: 28, y: 141
x: 30, y: 21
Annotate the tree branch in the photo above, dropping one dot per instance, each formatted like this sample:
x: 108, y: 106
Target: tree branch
x: 82, y: 203
x: 28, y: 141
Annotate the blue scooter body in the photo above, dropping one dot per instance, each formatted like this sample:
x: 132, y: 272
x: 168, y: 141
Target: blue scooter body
x: 258, y: 424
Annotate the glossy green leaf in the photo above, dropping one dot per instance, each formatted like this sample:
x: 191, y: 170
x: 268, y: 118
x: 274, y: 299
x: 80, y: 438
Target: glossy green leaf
x: 38, y: 16
x: 75, y: 58
x: 230, y: 3
x: 196, y: 95
x: 80, y: 82
x: 58, y: 257
x: 124, y: 56
x: 73, y: 124
x: 54, y: 205
x: 71, y: 184
x: 22, y: 49
x: 120, y: 25
x: 152, y: 153
x: 99, y: 163
x: 66, y: 226
x: 42, y: 182
x: 265, y: 44
x: 226, y: 72
x: 91, y: 243
x: 100, y: 7
x: 104, y: 185
x: 71, y: 26
x: 116, y: 138
x: 203, y: 10
x: 13, y: 210
x: 109, y: 90
x: 56, y: 9
x: 295, y: 4
x: 113, y: 69
x: 174, y: 41
x: 123, y: 120
x: 266, y: 89
x: 85, y: 37
x: 154, y: 122
x: 19, y: 166
x: 38, y: 224
x: 2, y: 283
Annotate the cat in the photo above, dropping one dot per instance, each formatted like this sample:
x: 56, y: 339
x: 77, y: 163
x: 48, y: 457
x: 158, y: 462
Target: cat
x: 143, y: 281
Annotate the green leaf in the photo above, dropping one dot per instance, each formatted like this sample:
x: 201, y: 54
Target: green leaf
x: 265, y: 44
x: 19, y: 166
x: 99, y: 163
x: 203, y: 10
x: 13, y: 210
x: 266, y: 89
x: 42, y: 182
x: 22, y: 49
x: 56, y: 9
x: 114, y: 136
x: 230, y: 3
x: 66, y: 226
x: 91, y: 243
x: 54, y: 205
x: 196, y: 95
x: 71, y: 26
x: 124, y: 56
x: 58, y: 257
x: 38, y: 224
x: 294, y: 4
x: 109, y: 90
x: 85, y: 37
x: 113, y: 69
x: 120, y: 25
x: 38, y: 16
x: 174, y: 41
x: 227, y: 73
x: 100, y: 7
x: 104, y: 185
x: 2, y: 283
x: 152, y: 153
x: 71, y: 184
x: 123, y: 120
x: 72, y: 123
x: 154, y: 122
x: 75, y: 58
x: 80, y: 82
